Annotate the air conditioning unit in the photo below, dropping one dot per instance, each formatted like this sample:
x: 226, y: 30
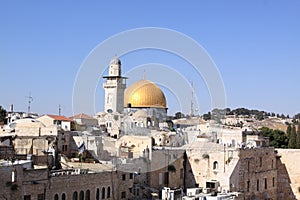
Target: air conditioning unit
x: 206, y: 190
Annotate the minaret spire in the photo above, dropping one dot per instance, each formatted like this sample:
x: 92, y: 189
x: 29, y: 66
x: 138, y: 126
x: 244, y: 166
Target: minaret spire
x: 114, y: 87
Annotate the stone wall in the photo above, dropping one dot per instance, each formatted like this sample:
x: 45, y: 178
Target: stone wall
x: 48, y: 184
x: 112, y: 184
x: 9, y: 189
x: 167, y: 169
x: 257, y: 173
x: 289, y: 171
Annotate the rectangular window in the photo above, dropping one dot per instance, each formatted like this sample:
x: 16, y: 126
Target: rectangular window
x: 130, y: 175
x: 27, y: 197
x: 123, y: 195
x: 40, y: 197
x: 266, y: 183
x: 248, y: 166
x: 123, y: 177
x: 166, y: 178
x: 64, y: 147
x: 273, y: 181
x: 257, y: 185
x: 248, y: 186
x: 260, y: 161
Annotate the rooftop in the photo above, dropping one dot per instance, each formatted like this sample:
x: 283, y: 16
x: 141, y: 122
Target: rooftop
x: 59, y: 118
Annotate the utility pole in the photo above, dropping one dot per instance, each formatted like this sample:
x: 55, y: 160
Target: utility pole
x: 224, y: 157
x: 30, y: 99
x: 59, y: 110
x: 192, y: 101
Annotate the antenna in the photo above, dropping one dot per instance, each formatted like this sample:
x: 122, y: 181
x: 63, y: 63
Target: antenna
x: 30, y: 99
x: 192, y: 101
x: 194, y: 108
x: 59, y: 110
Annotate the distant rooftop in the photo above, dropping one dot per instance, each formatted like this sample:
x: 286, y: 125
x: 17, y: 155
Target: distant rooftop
x: 81, y: 116
x: 59, y: 118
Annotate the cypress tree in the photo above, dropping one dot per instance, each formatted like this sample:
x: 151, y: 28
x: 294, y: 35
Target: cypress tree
x: 288, y: 131
x: 298, y: 137
x: 292, y: 138
x: 2, y: 115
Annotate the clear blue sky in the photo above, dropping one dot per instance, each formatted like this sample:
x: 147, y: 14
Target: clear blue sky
x: 255, y: 45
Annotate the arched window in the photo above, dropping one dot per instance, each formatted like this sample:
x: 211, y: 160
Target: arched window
x: 215, y: 165
x: 63, y: 196
x: 103, y: 193
x: 75, y: 195
x: 87, y: 195
x: 108, y: 192
x: 56, y: 197
x: 81, y: 195
x: 97, y: 194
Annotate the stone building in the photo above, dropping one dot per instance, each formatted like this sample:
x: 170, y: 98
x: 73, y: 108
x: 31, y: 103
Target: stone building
x: 60, y: 121
x: 250, y: 171
x: 19, y: 181
x: 84, y: 122
x: 110, y: 123
x: 256, y: 173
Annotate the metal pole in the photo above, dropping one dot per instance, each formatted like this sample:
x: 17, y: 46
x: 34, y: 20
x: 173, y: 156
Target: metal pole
x: 224, y: 157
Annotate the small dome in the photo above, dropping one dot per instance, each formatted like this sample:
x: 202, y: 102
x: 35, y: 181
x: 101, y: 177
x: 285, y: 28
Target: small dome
x: 144, y: 94
x: 140, y: 114
x: 115, y: 61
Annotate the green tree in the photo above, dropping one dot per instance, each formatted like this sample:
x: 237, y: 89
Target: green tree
x: 207, y: 116
x: 2, y: 115
x: 289, y: 130
x: 282, y: 116
x: 297, y: 116
x: 179, y: 115
x: 292, y: 138
x: 278, y: 138
x: 298, y: 137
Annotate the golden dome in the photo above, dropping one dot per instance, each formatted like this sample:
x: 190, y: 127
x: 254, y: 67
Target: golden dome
x: 144, y: 94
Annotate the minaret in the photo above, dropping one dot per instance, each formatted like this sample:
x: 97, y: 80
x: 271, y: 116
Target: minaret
x: 114, y: 88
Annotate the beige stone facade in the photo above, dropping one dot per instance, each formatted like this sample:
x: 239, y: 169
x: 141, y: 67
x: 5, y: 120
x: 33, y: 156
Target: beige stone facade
x: 288, y: 174
x: 256, y: 173
x: 63, y: 184
x: 167, y: 168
